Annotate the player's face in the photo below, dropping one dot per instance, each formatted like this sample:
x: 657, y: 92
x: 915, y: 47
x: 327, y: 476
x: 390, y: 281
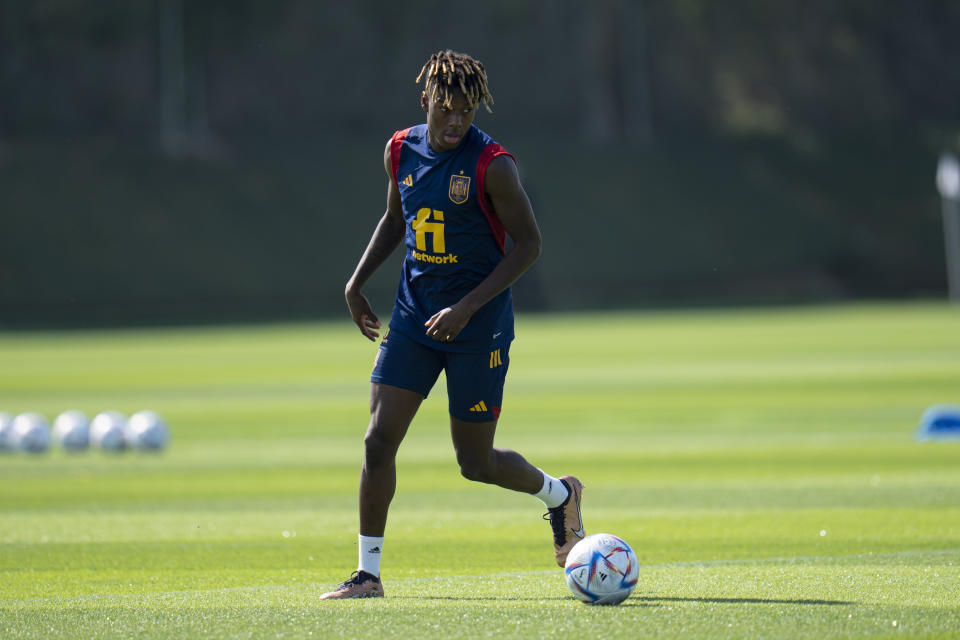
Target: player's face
x: 447, y: 124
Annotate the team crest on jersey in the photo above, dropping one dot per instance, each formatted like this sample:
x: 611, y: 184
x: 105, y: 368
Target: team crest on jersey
x: 459, y: 188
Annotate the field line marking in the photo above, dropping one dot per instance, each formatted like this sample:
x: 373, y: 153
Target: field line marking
x: 509, y: 574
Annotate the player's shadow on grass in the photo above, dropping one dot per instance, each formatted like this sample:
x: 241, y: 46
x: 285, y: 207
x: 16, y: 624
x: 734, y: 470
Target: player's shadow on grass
x: 642, y: 601
x: 804, y: 601
x: 480, y: 599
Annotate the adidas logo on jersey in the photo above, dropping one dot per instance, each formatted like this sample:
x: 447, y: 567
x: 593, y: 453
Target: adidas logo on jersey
x: 408, y: 180
x: 480, y: 407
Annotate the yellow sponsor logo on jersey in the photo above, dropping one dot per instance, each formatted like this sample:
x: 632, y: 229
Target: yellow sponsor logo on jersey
x: 425, y: 225
x: 495, y: 359
x: 429, y: 222
x: 408, y: 180
x: 426, y: 257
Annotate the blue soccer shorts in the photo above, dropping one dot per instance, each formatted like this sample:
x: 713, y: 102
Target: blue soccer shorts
x: 474, y: 380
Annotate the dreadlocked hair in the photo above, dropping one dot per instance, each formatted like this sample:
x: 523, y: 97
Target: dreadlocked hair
x: 447, y: 71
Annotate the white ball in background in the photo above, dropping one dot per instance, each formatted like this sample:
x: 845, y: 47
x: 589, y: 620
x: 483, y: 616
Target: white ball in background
x: 31, y: 432
x: 6, y: 431
x: 71, y: 430
x: 147, y: 431
x: 106, y: 431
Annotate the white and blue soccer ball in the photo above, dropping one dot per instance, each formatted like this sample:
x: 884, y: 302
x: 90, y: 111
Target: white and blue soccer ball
x: 601, y: 569
x: 6, y: 431
x: 106, y: 431
x: 30, y: 432
x: 147, y: 431
x: 71, y: 430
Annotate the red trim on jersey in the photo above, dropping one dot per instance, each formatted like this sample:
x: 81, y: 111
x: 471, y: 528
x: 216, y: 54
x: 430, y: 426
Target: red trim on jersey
x: 490, y: 152
x: 396, y: 145
x: 496, y: 413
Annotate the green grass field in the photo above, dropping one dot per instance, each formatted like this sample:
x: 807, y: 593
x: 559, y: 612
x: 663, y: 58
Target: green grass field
x: 761, y: 463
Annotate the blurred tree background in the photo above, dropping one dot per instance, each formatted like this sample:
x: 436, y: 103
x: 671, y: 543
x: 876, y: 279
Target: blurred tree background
x: 167, y: 161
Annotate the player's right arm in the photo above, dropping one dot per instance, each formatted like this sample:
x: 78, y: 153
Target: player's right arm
x: 388, y: 234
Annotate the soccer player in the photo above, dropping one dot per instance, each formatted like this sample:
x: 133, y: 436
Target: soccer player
x: 452, y: 195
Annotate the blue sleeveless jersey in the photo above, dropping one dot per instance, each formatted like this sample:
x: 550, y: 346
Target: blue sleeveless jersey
x: 453, y: 238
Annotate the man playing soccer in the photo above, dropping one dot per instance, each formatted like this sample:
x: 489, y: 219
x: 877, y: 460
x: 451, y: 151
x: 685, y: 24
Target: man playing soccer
x: 452, y: 196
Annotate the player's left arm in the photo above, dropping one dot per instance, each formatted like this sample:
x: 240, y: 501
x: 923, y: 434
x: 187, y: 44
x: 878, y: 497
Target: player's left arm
x: 513, y: 208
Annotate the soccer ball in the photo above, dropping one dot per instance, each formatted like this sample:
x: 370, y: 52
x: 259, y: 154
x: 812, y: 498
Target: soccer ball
x: 31, y: 433
x: 601, y: 569
x: 106, y: 430
x: 6, y: 431
x: 71, y: 430
x: 147, y: 431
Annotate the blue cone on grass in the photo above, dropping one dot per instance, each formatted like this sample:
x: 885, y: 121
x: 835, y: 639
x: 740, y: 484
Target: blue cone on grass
x: 940, y: 422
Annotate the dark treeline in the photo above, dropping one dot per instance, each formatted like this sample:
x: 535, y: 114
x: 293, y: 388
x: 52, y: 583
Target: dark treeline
x: 602, y: 68
x: 185, y: 160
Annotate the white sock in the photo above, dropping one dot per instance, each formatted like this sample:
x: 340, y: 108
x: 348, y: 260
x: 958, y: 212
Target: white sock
x: 553, y: 492
x: 370, y: 549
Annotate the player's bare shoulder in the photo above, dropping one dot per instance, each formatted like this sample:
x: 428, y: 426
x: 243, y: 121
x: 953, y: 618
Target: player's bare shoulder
x: 386, y: 157
x: 502, y: 176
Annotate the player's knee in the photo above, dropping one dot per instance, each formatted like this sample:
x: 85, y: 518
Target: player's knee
x: 476, y: 470
x: 475, y: 473
x: 378, y: 451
